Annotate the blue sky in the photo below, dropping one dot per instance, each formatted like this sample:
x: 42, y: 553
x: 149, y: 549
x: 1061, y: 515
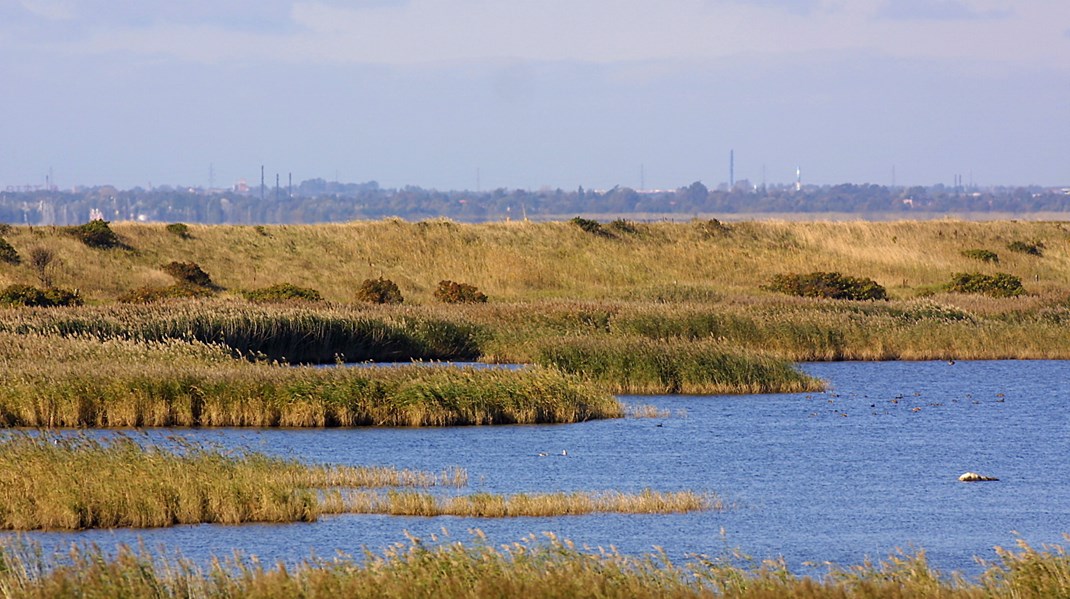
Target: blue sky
x: 534, y: 93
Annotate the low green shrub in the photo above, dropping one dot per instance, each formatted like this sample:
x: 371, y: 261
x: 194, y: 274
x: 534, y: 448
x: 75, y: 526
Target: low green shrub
x: 188, y: 273
x: 26, y: 295
x: 379, y: 291
x: 22, y: 295
x: 588, y: 225
x: 8, y: 253
x: 997, y: 285
x: 97, y: 234
x: 831, y: 285
x: 449, y: 292
x: 1024, y: 247
x: 982, y: 255
x: 57, y: 296
x: 283, y: 292
x: 180, y: 230
x: 148, y: 295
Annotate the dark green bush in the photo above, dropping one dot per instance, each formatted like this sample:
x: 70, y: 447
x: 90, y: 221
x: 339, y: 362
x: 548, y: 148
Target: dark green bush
x: 449, y: 292
x: 982, y: 255
x: 283, y: 292
x: 831, y: 285
x: 22, y: 295
x: 178, y: 229
x: 588, y: 225
x: 1024, y: 247
x: 8, y: 253
x: 97, y: 234
x: 188, y: 273
x: 379, y: 291
x: 997, y: 285
x: 148, y: 295
x: 57, y: 296
x: 26, y: 295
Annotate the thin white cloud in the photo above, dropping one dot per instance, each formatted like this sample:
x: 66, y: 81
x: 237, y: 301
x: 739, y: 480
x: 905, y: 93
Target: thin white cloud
x: 55, y: 10
x: 939, y: 10
x: 410, y: 32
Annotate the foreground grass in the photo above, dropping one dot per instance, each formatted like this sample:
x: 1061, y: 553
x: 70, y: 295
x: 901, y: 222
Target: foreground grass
x: 76, y: 382
x: 552, y: 568
x: 77, y: 483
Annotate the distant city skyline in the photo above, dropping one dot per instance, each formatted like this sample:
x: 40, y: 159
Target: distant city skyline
x: 526, y: 95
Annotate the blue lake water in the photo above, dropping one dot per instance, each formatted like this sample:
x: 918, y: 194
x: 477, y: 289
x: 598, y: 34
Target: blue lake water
x: 860, y: 470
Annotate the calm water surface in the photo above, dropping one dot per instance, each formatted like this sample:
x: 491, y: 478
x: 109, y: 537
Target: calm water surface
x: 863, y: 469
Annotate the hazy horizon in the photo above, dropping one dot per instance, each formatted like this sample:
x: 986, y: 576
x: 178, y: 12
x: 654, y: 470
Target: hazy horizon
x: 531, y: 94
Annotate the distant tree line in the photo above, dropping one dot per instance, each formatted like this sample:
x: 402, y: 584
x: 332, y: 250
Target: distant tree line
x: 317, y: 200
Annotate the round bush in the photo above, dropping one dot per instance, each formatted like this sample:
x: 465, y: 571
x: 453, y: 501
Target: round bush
x: 379, y: 291
x: 449, y: 292
x: 283, y: 292
x: 832, y: 285
x: 997, y: 285
x: 188, y: 272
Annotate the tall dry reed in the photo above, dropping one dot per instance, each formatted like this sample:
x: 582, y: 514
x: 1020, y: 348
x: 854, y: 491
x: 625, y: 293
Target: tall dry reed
x: 50, y: 482
x: 641, y: 365
x: 76, y: 382
x: 532, y: 568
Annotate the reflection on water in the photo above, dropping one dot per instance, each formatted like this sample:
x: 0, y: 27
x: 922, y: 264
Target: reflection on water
x: 869, y: 466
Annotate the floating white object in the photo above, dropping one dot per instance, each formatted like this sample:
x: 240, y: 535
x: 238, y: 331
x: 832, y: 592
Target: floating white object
x: 973, y: 477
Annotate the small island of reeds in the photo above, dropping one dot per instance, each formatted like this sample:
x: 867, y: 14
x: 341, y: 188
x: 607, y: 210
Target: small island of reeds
x: 77, y: 482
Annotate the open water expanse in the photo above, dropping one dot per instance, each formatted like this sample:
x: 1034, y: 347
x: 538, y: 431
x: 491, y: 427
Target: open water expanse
x: 869, y: 466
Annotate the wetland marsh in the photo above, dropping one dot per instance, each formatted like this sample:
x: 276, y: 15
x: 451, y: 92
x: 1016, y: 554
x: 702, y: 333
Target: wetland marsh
x: 800, y: 478
x: 833, y: 462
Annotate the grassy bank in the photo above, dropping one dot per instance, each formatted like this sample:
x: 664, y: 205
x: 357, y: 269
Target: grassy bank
x: 639, y: 365
x: 76, y: 483
x: 534, y: 569
x: 47, y: 381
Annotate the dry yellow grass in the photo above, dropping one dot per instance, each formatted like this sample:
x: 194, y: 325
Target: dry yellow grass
x: 487, y: 505
x: 533, y: 261
x: 77, y: 482
x: 54, y: 381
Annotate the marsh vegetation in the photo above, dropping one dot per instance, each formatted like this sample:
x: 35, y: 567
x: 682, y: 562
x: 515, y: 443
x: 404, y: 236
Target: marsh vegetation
x: 550, y: 567
x: 53, y: 482
x: 80, y: 381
